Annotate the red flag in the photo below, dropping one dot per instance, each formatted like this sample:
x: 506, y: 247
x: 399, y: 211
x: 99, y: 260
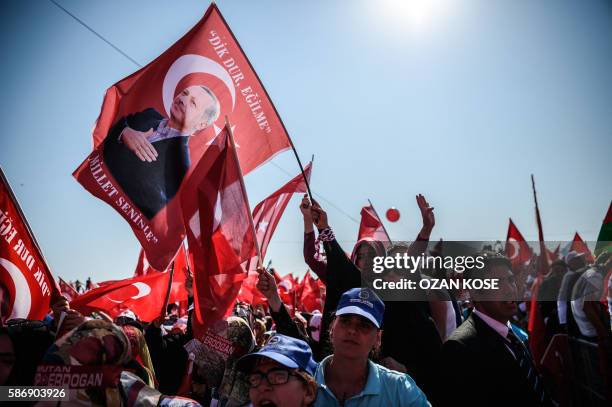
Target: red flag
x: 517, y: 249
x: 220, y: 232
x: 266, y: 216
x: 536, y: 326
x: 579, y: 246
x: 143, y: 295
x: 371, y: 227
x: 178, y: 292
x: 248, y: 291
x: 143, y: 267
x: 67, y: 290
x: 287, y: 291
x: 554, y: 254
x: 156, y: 124
x: 310, y: 298
x: 26, y: 282
x: 268, y: 212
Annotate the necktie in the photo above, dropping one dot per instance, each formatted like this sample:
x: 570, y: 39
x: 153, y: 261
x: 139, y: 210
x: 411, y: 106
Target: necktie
x: 525, y: 361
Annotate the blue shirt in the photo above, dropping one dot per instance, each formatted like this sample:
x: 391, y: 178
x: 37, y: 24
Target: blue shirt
x: 383, y: 387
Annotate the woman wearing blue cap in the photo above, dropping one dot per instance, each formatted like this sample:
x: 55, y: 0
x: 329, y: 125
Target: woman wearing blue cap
x: 281, y: 373
x: 347, y: 377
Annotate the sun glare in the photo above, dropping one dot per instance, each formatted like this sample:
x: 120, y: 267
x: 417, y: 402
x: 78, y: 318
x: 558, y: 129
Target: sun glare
x: 416, y: 15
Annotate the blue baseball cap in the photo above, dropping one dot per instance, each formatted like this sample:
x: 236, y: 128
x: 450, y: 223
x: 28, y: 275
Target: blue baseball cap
x: 364, y: 302
x: 289, y: 352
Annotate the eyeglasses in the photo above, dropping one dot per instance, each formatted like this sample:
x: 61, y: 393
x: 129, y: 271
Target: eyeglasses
x: 273, y: 376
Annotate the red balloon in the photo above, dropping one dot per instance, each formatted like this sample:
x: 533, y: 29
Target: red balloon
x: 393, y: 214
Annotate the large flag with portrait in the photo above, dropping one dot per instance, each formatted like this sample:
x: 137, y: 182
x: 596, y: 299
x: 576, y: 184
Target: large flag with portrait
x: 156, y: 124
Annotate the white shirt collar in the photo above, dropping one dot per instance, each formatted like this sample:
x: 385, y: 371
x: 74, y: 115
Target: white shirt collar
x: 497, y: 326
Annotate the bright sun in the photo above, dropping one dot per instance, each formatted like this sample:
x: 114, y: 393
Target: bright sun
x: 417, y: 15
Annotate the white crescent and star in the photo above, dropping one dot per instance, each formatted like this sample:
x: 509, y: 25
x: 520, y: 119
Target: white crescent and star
x: 515, y: 245
x: 21, y: 303
x: 191, y: 63
x: 188, y: 64
x: 143, y: 290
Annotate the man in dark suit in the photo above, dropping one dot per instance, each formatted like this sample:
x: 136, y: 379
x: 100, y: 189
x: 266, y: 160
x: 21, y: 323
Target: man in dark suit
x: 148, y: 154
x: 484, y: 363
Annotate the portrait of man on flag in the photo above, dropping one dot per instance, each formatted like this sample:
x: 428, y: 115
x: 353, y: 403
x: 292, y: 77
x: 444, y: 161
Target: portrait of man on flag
x: 148, y: 154
x: 156, y: 124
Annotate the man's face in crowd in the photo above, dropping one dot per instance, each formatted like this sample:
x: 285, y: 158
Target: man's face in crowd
x: 187, y: 111
x: 499, y: 304
x: 294, y: 393
x: 354, y: 336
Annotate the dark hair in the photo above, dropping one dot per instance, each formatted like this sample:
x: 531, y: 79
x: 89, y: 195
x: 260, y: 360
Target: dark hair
x: 490, y: 259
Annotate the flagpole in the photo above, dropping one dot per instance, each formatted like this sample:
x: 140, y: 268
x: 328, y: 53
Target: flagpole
x: 167, y: 298
x: 381, y: 221
x: 246, y: 197
x: 297, y: 157
x: 55, y: 286
x: 543, y: 251
x: 186, y: 252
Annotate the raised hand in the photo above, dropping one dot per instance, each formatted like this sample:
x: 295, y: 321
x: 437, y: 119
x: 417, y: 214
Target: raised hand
x: 305, y: 207
x: 429, y: 220
x: 266, y: 284
x: 138, y: 143
x: 319, y: 216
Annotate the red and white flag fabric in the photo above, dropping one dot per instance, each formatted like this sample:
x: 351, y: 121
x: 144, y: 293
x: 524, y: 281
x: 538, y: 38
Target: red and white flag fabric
x: 219, y: 231
x: 371, y: 226
x: 517, y: 249
x: 310, y: 298
x: 156, y: 124
x: 266, y: 217
x: 268, y: 212
x: 143, y: 295
x: 178, y: 292
x: 67, y: 290
x: 143, y: 267
x: 287, y: 290
x: 579, y: 246
x: 26, y: 284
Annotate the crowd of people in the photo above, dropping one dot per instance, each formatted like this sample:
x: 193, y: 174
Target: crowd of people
x: 447, y: 348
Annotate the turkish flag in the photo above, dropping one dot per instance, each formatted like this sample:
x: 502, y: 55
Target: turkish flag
x: 143, y: 295
x: 178, y: 292
x: 310, y: 298
x: 156, y: 124
x: 25, y: 279
x: 219, y: 231
x: 248, y: 291
x: 266, y: 216
x: 371, y: 227
x: 517, y: 249
x: 579, y: 246
x: 67, y: 290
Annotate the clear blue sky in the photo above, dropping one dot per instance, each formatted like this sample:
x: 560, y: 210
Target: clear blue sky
x: 458, y: 100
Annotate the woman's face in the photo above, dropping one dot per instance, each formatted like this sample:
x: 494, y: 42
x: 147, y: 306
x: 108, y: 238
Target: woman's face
x: 354, y: 336
x: 294, y: 393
